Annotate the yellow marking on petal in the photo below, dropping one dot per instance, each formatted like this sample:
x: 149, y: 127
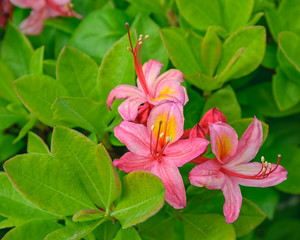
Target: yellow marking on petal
x: 164, y: 94
x: 224, y: 146
x: 167, y: 129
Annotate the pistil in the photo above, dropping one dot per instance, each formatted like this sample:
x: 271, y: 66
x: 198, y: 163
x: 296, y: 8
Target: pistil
x: 137, y: 59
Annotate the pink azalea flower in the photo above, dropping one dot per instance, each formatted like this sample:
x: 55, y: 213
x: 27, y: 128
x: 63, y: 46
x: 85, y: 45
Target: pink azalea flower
x: 157, y: 148
x: 41, y: 10
x: 6, y: 9
x: 232, y: 166
x: 151, y: 89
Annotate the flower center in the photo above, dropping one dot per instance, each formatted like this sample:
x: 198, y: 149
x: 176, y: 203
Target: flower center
x: 162, y: 142
x: 265, y: 171
x: 136, y: 51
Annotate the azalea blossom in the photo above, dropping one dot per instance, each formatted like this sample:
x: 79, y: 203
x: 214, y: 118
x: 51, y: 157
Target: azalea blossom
x: 156, y: 148
x: 6, y: 9
x: 151, y: 89
x: 42, y: 10
x: 232, y: 166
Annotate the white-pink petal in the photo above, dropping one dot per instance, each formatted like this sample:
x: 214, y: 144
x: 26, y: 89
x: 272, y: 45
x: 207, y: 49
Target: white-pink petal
x: 151, y: 70
x: 185, y: 150
x: 134, y: 136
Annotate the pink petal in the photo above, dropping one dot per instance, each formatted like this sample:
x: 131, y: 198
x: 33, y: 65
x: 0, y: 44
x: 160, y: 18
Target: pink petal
x: 200, y: 160
x: 34, y: 4
x: 132, y: 162
x: 172, y: 180
x: 248, y: 144
x: 61, y: 2
x: 224, y: 141
x: 184, y: 151
x: 171, y: 116
x: 251, y: 169
x: 207, y: 175
x: 172, y: 74
x: 34, y: 24
x: 196, y: 132
x: 211, y: 116
x: 233, y: 200
x: 134, y: 136
x: 122, y: 92
x: 151, y: 70
x: 129, y: 108
x: 169, y: 90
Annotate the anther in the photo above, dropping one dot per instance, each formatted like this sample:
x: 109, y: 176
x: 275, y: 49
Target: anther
x: 264, y: 169
x: 262, y: 159
x: 152, y: 127
x: 146, y: 36
x: 161, y: 135
x: 168, y: 139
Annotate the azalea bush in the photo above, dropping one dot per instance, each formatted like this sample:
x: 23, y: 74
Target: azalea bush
x: 161, y: 119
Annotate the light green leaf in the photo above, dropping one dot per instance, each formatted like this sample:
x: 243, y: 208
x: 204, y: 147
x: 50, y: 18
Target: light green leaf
x: 76, y: 231
x: 211, y: 50
x: 128, y: 233
x: 38, y: 92
x: 206, y: 227
x: 15, y: 207
x: 143, y: 195
x: 77, y: 72
x: 81, y: 112
x: 8, y: 118
x: 240, y: 126
x: 90, y: 163
x: 286, y: 91
x: 6, y: 90
x: 226, y: 101
x: 36, y: 61
x: 116, y: 68
x: 36, y: 145
x: 24, y: 130
x: 7, y: 147
x: 155, y: 6
x: 33, y: 230
x: 253, y: 41
x: 179, y: 51
x: 88, y: 215
x: 16, y: 51
x: 51, y: 185
x: 95, y: 41
x: 250, y: 217
x: 204, y: 82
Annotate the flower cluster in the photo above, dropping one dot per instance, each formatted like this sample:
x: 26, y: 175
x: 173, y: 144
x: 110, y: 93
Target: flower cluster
x: 42, y: 10
x: 153, y: 132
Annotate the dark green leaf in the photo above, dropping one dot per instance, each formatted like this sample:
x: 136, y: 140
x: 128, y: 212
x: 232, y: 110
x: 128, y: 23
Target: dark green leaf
x: 128, y: 233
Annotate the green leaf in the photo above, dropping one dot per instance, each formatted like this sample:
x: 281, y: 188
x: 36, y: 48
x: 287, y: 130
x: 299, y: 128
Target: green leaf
x: 128, y: 233
x: 77, y: 72
x: 107, y: 230
x: 16, y: 51
x: 88, y: 215
x: 226, y: 101
x: 49, y: 67
x: 250, y: 217
x: 38, y: 92
x: 270, y: 59
x: 143, y: 195
x: 286, y: 91
x: 265, y: 198
x: 8, y: 118
x: 76, y: 231
x: 240, y: 126
x: 155, y: 6
x: 24, y: 130
x: 6, y: 90
x: 287, y: 228
x: 229, y: 14
x: 204, y: 82
x: 36, y: 61
x: 155, y: 227
x: 253, y: 41
x: 288, y: 54
x: 15, y: 207
x: 33, y: 230
x: 81, y: 112
x: 153, y: 48
x: 116, y: 68
x: 95, y: 41
x: 211, y: 50
x: 7, y: 147
x: 36, y: 145
x: 179, y: 51
x: 206, y: 227
x: 51, y: 184
x: 90, y: 163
